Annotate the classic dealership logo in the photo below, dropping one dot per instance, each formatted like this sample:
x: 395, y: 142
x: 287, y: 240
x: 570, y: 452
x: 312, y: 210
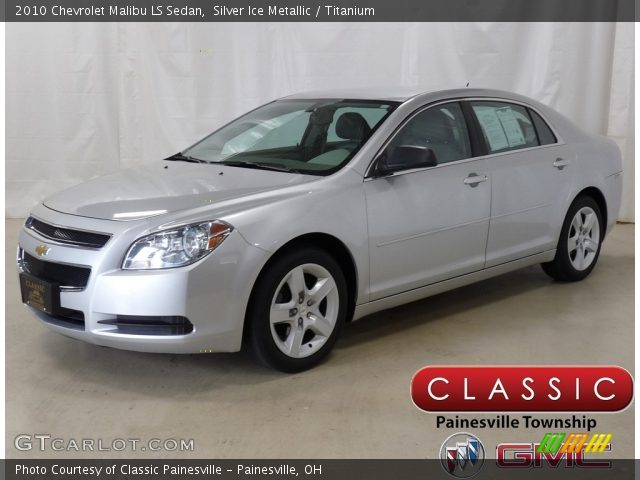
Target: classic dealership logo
x: 42, y: 250
x: 522, y: 388
x: 574, y: 443
x: 462, y: 455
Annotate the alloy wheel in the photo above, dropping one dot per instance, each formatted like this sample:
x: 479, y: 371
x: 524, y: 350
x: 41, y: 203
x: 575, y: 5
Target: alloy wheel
x: 584, y: 238
x: 304, y: 310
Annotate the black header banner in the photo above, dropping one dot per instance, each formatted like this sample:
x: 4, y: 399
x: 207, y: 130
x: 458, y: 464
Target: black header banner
x: 319, y: 10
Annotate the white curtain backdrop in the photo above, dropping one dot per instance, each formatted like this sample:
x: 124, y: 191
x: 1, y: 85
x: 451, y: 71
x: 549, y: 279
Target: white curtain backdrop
x: 85, y: 99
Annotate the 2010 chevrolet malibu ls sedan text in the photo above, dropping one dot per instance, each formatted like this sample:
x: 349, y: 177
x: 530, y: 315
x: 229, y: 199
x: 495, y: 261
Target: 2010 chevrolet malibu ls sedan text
x: 313, y: 210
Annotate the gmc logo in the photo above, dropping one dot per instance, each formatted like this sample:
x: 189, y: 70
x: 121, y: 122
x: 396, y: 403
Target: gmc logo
x: 526, y: 455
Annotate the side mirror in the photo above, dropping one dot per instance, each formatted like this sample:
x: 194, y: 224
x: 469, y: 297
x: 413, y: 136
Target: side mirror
x: 405, y: 157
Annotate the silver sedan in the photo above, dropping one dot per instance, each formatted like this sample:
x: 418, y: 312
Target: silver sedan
x: 314, y: 210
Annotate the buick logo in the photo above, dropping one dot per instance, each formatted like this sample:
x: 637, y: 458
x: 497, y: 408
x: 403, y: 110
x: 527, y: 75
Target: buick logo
x: 42, y: 250
x: 462, y: 455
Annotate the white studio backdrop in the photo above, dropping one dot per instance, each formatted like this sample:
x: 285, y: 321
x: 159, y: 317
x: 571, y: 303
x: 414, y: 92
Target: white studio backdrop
x: 84, y: 99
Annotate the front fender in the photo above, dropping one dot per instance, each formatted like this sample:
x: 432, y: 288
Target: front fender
x: 335, y: 208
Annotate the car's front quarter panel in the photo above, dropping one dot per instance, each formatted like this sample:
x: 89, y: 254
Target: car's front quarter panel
x: 333, y: 206
x: 211, y: 293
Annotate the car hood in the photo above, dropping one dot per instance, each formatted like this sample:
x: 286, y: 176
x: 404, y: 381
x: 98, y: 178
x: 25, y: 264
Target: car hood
x: 166, y: 187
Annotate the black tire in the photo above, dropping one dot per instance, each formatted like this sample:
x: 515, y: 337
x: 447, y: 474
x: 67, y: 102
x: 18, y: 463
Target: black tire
x: 561, y: 267
x: 260, y: 337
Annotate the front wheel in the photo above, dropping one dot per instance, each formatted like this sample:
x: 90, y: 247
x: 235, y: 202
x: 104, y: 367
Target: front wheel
x: 580, y: 241
x: 297, y: 310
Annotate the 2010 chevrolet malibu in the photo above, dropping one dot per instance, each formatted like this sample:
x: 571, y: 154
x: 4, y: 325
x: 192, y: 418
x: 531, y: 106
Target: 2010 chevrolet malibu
x: 314, y: 210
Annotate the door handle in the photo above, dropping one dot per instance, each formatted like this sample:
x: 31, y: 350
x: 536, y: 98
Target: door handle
x: 560, y: 163
x: 473, y: 179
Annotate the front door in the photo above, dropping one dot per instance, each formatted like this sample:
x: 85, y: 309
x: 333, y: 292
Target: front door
x: 430, y: 224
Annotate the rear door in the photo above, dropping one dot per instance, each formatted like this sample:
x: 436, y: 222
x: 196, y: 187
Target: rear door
x: 528, y: 179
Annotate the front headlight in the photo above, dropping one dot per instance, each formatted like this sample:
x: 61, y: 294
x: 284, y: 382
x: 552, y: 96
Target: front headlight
x: 177, y: 247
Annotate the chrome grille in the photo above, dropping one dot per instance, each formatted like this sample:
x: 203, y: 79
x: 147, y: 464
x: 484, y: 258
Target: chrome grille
x: 69, y: 236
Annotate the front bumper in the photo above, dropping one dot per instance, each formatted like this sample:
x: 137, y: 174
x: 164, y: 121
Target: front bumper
x: 212, y: 293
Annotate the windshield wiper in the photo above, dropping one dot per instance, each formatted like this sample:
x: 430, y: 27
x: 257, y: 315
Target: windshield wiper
x: 275, y: 167
x: 184, y: 158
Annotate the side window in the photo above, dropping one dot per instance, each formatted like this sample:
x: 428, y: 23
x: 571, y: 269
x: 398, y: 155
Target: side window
x: 505, y: 126
x: 545, y: 135
x: 442, y: 129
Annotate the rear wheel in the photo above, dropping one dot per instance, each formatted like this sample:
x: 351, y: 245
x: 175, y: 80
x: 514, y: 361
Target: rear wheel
x: 297, y: 310
x: 580, y: 241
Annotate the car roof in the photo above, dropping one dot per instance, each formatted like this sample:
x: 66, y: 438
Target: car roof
x: 398, y: 94
x: 403, y: 94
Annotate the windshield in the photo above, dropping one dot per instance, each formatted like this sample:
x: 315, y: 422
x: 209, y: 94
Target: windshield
x: 306, y: 136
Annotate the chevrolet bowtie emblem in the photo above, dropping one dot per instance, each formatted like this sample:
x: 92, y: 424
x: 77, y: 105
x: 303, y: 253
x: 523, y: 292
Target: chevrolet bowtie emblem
x: 42, y: 250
